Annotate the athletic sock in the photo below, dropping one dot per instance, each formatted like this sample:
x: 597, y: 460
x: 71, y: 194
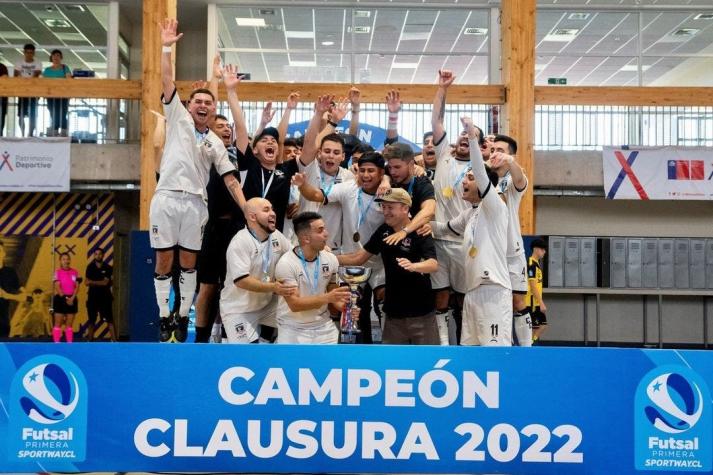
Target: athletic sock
x: 56, y: 334
x: 162, y: 284
x: 69, y: 334
x: 216, y: 333
x: 442, y: 317
x: 202, y: 334
x: 187, y: 289
x: 522, y: 328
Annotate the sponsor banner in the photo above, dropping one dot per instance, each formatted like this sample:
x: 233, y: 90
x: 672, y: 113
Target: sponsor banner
x: 353, y: 409
x: 34, y: 164
x: 663, y: 173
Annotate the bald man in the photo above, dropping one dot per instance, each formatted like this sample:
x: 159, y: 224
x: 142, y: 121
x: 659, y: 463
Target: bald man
x: 249, y: 297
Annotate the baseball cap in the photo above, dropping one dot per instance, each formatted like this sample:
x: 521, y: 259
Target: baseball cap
x: 398, y: 150
x: 396, y: 195
x: 271, y: 131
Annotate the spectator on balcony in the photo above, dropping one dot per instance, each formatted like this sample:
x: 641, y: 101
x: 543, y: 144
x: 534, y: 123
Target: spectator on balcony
x: 3, y: 101
x: 29, y: 67
x: 58, y: 107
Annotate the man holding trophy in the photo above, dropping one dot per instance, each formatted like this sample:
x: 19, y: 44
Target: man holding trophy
x: 305, y: 317
x: 409, y: 303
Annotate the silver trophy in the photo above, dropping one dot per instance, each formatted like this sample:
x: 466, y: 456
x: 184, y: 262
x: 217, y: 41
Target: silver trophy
x: 353, y: 276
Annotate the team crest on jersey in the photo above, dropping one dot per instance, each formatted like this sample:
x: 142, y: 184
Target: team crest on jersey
x: 275, y: 244
x: 325, y: 269
x: 154, y: 229
x: 240, y: 330
x: 279, y: 173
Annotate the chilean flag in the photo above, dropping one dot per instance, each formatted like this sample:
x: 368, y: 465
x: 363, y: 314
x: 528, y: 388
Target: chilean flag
x: 686, y: 170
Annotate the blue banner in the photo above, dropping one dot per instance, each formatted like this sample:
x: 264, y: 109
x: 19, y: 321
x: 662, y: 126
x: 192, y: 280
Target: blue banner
x: 370, y: 134
x: 353, y: 409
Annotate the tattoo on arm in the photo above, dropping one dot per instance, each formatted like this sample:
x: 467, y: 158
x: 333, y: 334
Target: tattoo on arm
x: 442, y: 114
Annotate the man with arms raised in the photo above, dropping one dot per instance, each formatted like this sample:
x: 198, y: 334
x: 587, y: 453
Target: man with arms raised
x: 249, y: 298
x: 305, y: 317
x: 178, y: 211
x: 409, y: 302
x: 487, y: 309
x: 512, y: 186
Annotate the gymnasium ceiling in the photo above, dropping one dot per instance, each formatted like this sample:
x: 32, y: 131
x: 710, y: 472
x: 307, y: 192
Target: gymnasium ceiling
x: 588, y: 42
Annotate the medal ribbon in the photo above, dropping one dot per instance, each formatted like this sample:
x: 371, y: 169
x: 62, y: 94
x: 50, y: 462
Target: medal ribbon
x: 313, y: 284
x: 269, y: 182
x: 266, y: 253
x: 362, y: 211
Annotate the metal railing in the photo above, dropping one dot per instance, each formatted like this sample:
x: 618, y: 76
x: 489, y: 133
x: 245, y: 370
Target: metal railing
x: 575, y: 127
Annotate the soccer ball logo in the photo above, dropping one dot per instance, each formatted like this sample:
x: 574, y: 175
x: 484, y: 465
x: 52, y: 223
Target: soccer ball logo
x: 52, y: 394
x: 677, y: 403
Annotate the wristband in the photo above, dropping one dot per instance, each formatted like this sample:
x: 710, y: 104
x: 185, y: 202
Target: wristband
x: 333, y: 124
x: 393, y: 121
x: 166, y: 49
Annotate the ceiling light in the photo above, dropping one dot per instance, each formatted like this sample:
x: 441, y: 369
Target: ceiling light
x: 404, y: 65
x: 250, y: 21
x: 361, y: 29
x: 686, y: 32
x: 56, y: 23
x: 578, y: 16
x: 562, y: 34
x: 415, y: 36
x: 300, y: 34
x: 266, y: 11
x: 704, y: 16
x: 634, y: 67
x: 362, y: 13
x: 75, y: 8
x: 475, y: 31
x: 303, y: 64
x: 327, y: 43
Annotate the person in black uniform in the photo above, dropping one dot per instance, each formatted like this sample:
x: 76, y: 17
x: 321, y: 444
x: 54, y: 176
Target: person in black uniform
x: 100, y: 299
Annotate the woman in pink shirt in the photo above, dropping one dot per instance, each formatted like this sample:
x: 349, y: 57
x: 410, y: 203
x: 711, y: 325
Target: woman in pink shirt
x: 64, y: 303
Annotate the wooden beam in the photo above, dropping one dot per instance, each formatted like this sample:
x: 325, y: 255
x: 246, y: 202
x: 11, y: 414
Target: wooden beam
x: 625, y: 96
x: 154, y: 11
x: 84, y: 88
x: 410, y: 93
x: 518, y: 56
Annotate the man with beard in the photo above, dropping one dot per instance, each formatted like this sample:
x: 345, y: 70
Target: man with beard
x: 305, y: 317
x: 447, y: 181
x: 512, y: 186
x: 428, y: 152
x: 178, y: 211
x: 361, y: 216
x: 487, y: 310
x: 249, y: 299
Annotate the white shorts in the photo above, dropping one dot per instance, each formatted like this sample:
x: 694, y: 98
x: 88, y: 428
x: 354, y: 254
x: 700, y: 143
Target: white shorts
x: 451, y: 272
x: 245, y: 327
x: 378, y: 276
x: 324, y: 334
x: 517, y: 266
x: 177, y: 218
x: 487, y: 316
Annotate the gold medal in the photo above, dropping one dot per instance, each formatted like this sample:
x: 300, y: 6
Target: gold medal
x: 473, y: 251
x: 356, y: 237
x: 447, y: 192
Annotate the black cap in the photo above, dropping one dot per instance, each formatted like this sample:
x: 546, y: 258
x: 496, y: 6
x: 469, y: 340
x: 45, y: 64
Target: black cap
x: 271, y: 131
x: 539, y: 243
x: 372, y: 157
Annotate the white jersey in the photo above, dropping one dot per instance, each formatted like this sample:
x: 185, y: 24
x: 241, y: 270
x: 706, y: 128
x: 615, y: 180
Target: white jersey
x: 188, y: 154
x: 331, y: 212
x: 513, y: 197
x: 448, y: 185
x: 484, y: 233
x: 312, y: 278
x: 356, y: 203
x: 246, y: 256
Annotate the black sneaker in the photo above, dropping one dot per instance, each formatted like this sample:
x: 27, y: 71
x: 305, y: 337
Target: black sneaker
x: 180, y: 331
x: 166, y: 328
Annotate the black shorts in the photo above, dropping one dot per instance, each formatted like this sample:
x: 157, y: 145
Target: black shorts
x: 539, y: 319
x: 101, y: 307
x: 60, y: 305
x: 211, y: 258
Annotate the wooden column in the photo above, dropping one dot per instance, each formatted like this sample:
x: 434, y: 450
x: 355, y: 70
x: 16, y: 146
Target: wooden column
x: 154, y: 11
x: 518, y: 59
